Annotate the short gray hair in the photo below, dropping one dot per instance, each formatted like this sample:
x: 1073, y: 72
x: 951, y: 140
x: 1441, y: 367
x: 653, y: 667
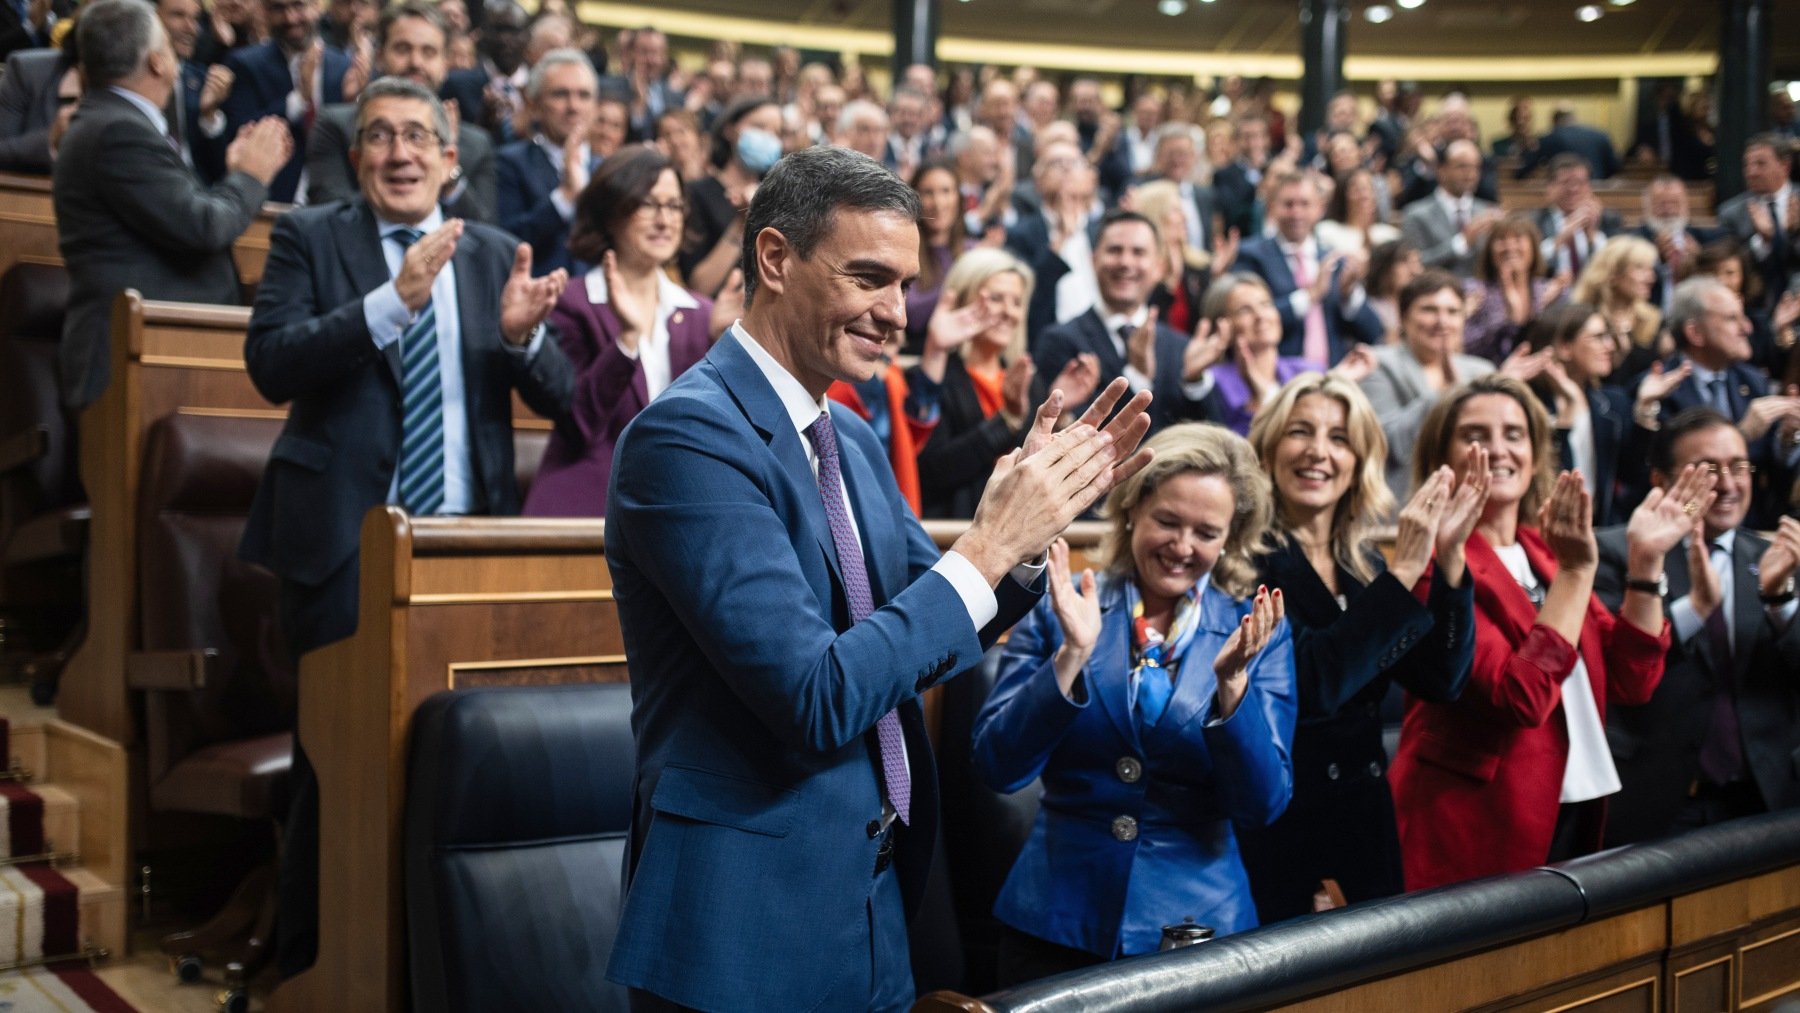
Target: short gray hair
x: 115, y: 37
x: 856, y: 109
x: 406, y: 88
x: 804, y: 190
x: 557, y: 58
x: 1688, y: 303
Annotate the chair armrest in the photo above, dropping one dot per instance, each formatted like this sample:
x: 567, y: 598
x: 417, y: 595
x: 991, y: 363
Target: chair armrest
x: 24, y: 446
x: 175, y: 671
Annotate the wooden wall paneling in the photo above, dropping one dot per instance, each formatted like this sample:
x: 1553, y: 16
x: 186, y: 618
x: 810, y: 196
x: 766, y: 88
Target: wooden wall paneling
x: 1769, y: 967
x: 1701, y: 979
x: 1731, y: 907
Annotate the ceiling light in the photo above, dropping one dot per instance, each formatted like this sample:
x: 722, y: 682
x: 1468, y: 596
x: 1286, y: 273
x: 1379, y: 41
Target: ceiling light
x: 1380, y: 14
x: 1793, y: 90
x: 1410, y: 5
x: 1173, y: 8
x: 1209, y: 1
x: 1621, y: 3
x: 1588, y: 12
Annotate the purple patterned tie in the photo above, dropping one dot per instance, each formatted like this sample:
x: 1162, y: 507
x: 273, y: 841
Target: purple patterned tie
x: 894, y: 775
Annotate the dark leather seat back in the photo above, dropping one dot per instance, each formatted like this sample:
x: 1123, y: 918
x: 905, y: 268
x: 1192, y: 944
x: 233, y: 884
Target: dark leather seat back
x: 984, y: 831
x: 32, y: 298
x: 517, y: 815
x: 199, y: 477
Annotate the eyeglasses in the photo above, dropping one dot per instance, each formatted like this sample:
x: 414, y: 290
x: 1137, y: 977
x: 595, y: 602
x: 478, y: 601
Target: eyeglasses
x: 381, y: 136
x: 1739, y: 468
x: 649, y: 208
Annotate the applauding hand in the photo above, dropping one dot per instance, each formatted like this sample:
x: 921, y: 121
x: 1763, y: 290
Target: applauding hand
x: 1077, y: 612
x: 1232, y: 665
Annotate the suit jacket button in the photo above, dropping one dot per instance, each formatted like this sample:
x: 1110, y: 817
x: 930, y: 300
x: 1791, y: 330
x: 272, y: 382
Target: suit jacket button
x: 874, y: 828
x: 1374, y: 768
x: 1331, y: 771
x: 1125, y: 829
x: 1129, y: 769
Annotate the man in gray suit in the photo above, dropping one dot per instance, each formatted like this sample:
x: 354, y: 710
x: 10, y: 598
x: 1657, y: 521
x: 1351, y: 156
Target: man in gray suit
x: 129, y: 212
x: 412, y: 44
x: 1766, y: 216
x: 1448, y: 227
x: 32, y: 94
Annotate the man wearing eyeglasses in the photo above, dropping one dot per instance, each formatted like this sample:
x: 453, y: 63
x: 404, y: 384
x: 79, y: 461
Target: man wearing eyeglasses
x: 412, y: 43
x: 1717, y: 740
x: 397, y: 338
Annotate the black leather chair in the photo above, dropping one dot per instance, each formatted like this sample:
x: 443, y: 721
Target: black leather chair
x: 216, y: 674
x: 43, y: 513
x: 517, y: 815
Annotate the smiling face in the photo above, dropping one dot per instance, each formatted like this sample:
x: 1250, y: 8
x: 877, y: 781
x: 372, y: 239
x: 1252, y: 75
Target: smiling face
x: 1313, y: 463
x: 1511, y: 250
x: 414, y: 48
x: 566, y: 102
x: 1004, y: 295
x: 1499, y: 423
x: 401, y: 180
x: 1587, y: 354
x: 1253, y: 318
x: 1722, y: 450
x: 293, y: 23
x: 1178, y: 532
x: 838, y: 306
x: 652, y: 233
x: 1635, y: 279
x: 939, y: 201
x: 1433, y: 325
x: 1127, y: 265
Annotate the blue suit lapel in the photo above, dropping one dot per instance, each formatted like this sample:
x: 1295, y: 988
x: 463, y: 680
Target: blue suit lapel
x: 544, y: 175
x: 1197, y: 681
x: 1115, y: 642
x: 763, y: 408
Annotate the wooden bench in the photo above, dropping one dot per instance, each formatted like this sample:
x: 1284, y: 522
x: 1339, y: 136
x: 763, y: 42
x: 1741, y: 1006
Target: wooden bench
x: 28, y: 228
x: 446, y: 603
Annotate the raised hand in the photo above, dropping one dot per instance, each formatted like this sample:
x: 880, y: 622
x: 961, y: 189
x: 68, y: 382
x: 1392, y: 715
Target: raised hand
x: 1232, y: 664
x: 575, y: 168
x: 1665, y: 516
x: 219, y: 79
x: 422, y: 262
x: 1566, y: 521
x: 1077, y: 612
x: 728, y: 305
x: 1356, y: 364
x: 1415, y: 533
x: 1523, y: 364
x: 634, y: 317
x: 309, y: 68
x: 1079, y: 378
x: 1570, y: 398
x: 1760, y: 219
x: 1780, y: 559
x: 526, y: 301
x: 949, y: 329
x: 1321, y: 282
x: 1704, y: 593
x: 1203, y: 351
x: 1461, y: 515
x: 1659, y: 383
x: 1140, y: 348
x: 1127, y: 428
x: 1015, y: 391
x: 1225, y: 251
x: 1764, y: 412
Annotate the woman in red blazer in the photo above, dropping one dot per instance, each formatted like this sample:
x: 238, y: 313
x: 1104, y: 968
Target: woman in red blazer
x: 628, y: 329
x: 1516, y: 771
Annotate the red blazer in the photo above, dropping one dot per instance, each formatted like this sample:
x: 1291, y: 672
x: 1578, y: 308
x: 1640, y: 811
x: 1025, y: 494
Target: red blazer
x: 908, y: 433
x: 609, y: 392
x: 1477, y: 782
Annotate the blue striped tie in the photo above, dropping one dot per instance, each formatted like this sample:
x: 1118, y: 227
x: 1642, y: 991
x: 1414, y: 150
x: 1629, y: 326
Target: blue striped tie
x: 421, y: 479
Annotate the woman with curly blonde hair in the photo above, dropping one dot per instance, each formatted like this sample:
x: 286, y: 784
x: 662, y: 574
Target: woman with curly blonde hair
x: 1360, y: 624
x: 1619, y: 281
x: 1156, y: 702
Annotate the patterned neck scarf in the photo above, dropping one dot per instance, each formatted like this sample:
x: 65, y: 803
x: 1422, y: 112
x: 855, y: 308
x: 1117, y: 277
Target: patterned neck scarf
x: 1156, y: 657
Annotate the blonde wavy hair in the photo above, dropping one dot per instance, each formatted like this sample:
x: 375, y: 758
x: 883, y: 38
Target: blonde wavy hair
x: 973, y: 270
x: 1367, y: 501
x: 1203, y: 449
x: 1432, y: 451
x: 1595, y: 284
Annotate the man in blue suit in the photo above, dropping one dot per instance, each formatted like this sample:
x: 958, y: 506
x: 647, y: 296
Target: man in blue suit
x: 1318, y: 291
x: 293, y: 75
x: 783, y: 610
x: 541, y: 176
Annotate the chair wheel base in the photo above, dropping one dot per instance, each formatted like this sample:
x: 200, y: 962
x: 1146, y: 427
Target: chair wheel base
x: 188, y: 968
x: 233, y: 1000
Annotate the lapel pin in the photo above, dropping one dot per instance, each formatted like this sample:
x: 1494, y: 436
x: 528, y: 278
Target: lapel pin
x: 676, y: 318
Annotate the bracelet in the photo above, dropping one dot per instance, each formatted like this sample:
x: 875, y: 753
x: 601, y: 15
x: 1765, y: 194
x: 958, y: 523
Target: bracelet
x: 1782, y: 595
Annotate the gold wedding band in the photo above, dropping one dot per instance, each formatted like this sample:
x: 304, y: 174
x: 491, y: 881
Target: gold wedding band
x: 1691, y: 508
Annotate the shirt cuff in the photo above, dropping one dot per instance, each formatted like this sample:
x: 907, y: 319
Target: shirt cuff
x: 1460, y: 243
x: 530, y: 348
x: 1684, y: 619
x: 1198, y: 389
x: 1781, y: 615
x: 213, y: 125
x: 564, y: 206
x: 296, y: 105
x: 386, y: 315
x: 1354, y: 304
x: 1300, y: 301
x: 1136, y: 378
x: 977, y: 597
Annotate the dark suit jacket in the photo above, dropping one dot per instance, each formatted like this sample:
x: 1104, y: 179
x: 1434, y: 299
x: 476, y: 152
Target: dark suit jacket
x: 609, y: 392
x: 1234, y: 193
x: 206, y: 154
x: 1777, y: 261
x: 1609, y: 412
x: 1746, y: 383
x: 261, y: 88
x: 1263, y: 257
x: 1657, y: 745
x: 465, y: 88
x: 330, y: 178
x: 1591, y: 144
x: 754, y: 695
x: 16, y: 34
x: 28, y: 105
x: 131, y: 214
x: 1544, y: 219
x: 958, y: 458
x: 526, y: 179
x: 1087, y: 333
x: 309, y: 347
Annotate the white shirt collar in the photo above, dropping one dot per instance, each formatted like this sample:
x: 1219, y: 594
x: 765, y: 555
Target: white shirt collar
x: 554, y: 151
x: 1114, y: 321
x: 669, y: 296
x: 144, y: 105
x: 1306, y: 246
x: 429, y: 224
x: 802, y: 409
x: 1466, y: 202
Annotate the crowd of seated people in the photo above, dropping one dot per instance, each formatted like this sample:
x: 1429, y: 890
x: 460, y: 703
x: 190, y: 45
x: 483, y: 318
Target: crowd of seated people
x: 1585, y: 438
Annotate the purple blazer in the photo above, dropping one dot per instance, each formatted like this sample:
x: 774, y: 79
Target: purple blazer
x: 609, y: 392
x: 1234, y: 391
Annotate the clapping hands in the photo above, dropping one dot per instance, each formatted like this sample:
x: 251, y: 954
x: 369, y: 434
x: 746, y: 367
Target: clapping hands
x: 1232, y: 664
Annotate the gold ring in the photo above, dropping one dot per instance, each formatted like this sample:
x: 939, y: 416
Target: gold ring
x: 1691, y: 508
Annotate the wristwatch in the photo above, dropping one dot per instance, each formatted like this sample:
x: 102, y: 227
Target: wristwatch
x: 1782, y: 595
x: 1658, y: 587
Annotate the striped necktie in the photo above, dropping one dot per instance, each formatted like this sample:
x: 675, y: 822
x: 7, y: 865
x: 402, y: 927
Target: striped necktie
x: 421, y: 479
